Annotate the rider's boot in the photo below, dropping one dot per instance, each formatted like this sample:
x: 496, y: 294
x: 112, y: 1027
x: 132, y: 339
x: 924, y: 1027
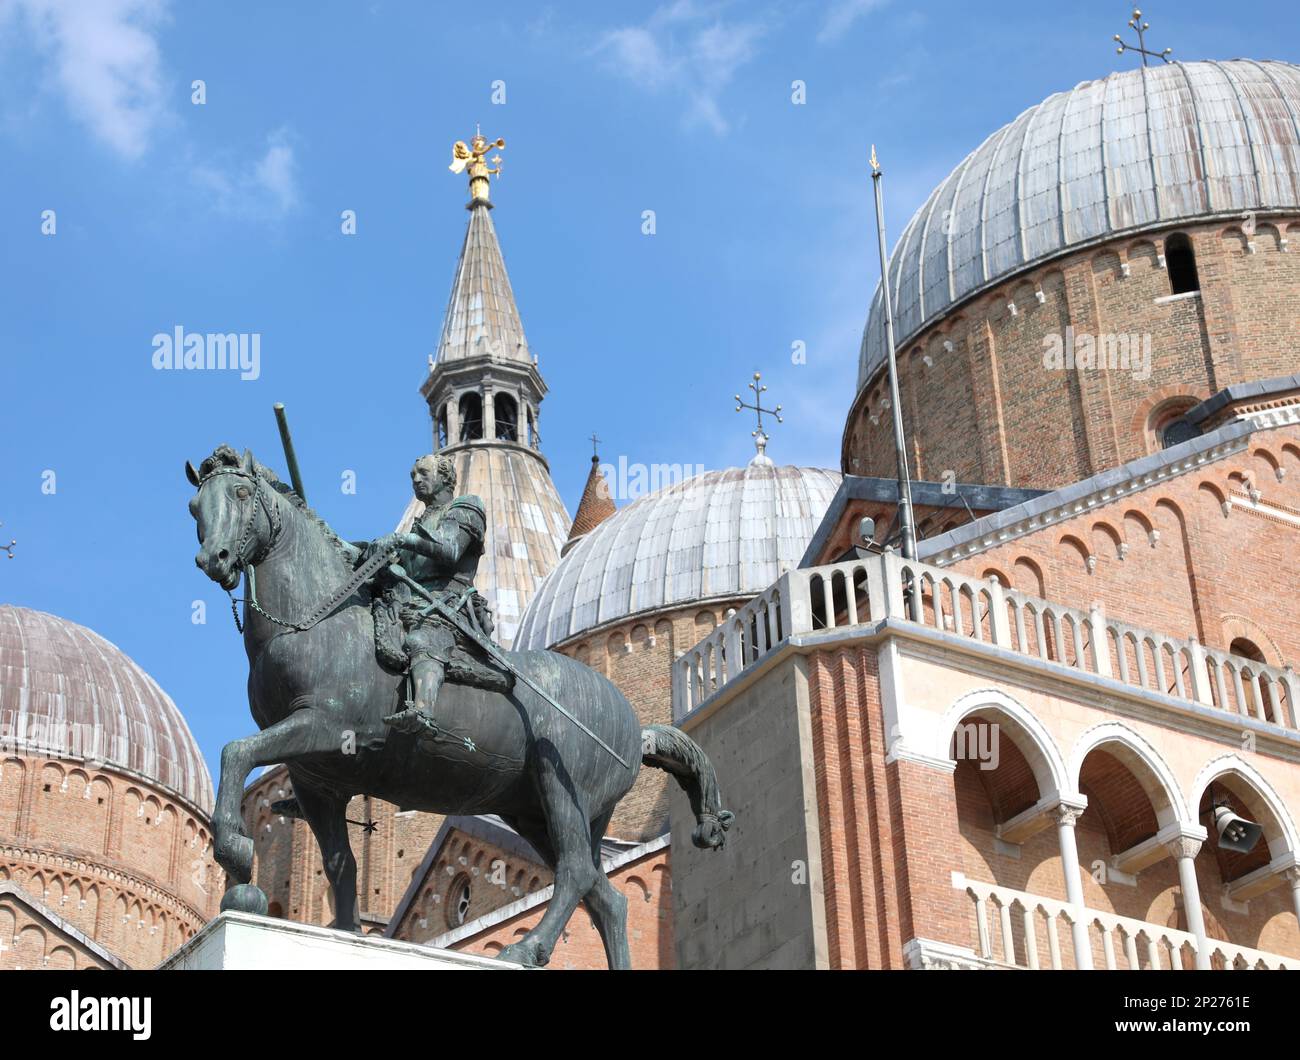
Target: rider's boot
x: 427, y: 675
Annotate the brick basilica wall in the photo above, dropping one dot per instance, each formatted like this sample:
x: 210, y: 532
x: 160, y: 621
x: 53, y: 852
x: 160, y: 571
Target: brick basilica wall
x: 494, y: 877
x: 637, y: 655
x: 1171, y: 558
x: 124, y: 862
x: 648, y: 888
x: 989, y: 411
x: 287, y: 860
x: 850, y: 851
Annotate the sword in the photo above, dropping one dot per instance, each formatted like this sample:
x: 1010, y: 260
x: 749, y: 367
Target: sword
x: 496, y: 654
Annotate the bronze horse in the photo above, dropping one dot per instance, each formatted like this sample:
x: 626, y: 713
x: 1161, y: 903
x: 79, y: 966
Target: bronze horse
x: 318, y: 695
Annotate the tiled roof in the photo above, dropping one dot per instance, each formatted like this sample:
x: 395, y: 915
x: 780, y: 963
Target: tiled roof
x: 719, y: 534
x: 481, y: 313
x: 67, y: 692
x: 596, y: 505
x: 1139, y: 149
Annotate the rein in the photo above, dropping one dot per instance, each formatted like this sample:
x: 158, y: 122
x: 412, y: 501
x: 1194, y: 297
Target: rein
x: 363, y: 574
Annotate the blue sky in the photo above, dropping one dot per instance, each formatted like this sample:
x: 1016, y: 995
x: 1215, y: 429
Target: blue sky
x: 226, y: 217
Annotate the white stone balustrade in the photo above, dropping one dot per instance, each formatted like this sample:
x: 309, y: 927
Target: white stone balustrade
x: 1019, y: 930
x: 858, y: 592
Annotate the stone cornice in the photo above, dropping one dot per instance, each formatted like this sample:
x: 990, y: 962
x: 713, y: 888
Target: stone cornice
x: 1098, y: 491
x: 44, y: 859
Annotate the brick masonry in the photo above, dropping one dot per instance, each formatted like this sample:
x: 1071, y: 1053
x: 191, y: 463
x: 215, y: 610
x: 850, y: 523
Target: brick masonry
x: 647, y: 885
x: 125, y: 863
x: 989, y: 411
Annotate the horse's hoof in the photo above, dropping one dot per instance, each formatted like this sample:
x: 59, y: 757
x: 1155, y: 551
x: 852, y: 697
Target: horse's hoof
x: 244, y: 898
x: 528, y: 954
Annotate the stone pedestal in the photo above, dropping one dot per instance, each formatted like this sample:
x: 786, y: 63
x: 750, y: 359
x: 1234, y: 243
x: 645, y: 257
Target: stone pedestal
x: 242, y: 940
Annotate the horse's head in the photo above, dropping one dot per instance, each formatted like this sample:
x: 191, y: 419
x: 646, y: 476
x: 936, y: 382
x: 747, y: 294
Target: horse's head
x: 235, y: 509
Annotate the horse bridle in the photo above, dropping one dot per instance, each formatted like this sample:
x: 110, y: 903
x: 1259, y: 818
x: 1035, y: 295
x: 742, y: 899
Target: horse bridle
x: 272, y: 516
x: 246, y: 565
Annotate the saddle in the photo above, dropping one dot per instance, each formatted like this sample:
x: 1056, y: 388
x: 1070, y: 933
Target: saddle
x: 393, y: 609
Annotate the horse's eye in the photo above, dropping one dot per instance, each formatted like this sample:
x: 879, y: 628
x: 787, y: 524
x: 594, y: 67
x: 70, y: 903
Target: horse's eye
x: 242, y: 493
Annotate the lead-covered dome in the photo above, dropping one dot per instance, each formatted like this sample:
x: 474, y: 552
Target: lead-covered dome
x: 66, y: 692
x: 1140, y: 149
x: 717, y: 535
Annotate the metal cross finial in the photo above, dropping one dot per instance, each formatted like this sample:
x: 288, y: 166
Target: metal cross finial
x: 758, y: 388
x: 9, y: 548
x: 1136, y: 23
x: 594, y: 442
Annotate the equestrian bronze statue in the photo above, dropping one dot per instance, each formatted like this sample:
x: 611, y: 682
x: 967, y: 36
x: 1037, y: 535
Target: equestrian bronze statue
x: 371, y: 671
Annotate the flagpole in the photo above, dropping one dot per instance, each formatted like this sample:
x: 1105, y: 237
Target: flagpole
x: 906, y: 524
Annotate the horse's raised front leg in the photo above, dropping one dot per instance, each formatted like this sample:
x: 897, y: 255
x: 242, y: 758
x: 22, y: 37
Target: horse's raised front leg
x: 302, y: 732
x: 327, y: 815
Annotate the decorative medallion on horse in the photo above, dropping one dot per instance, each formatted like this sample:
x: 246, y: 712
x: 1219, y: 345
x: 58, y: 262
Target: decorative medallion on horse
x: 372, y: 671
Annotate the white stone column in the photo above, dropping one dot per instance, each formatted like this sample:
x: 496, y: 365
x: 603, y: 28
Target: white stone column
x: 453, y: 419
x: 1184, y: 850
x: 1066, y: 816
x: 489, y: 413
x: 1292, y: 876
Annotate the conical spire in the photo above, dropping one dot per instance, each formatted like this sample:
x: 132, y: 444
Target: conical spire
x: 484, y: 395
x: 482, y: 318
x: 596, y: 505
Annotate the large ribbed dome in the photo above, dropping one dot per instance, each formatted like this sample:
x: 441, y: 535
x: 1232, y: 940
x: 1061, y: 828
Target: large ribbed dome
x: 716, y: 535
x: 67, y: 692
x: 1140, y: 149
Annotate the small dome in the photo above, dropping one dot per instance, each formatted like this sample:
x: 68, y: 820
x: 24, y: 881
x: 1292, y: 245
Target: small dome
x: 66, y: 692
x: 1144, y: 148
x: 716, y: 535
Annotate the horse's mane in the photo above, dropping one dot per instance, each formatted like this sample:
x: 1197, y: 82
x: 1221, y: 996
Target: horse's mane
x: 225, y: 456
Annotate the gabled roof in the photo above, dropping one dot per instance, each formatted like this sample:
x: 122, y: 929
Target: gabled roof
x: 610, y: 863
x: 487, y: 827
x: 65, y: 928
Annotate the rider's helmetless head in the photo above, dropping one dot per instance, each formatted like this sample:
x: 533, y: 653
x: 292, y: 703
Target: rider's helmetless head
x: 432, y: 476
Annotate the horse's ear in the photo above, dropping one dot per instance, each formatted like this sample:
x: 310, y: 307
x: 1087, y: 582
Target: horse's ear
x: 191, y: 474
x: 247, y: 462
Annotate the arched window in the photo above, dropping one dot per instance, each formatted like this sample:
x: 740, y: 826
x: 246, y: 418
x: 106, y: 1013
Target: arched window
x: 1167, y: 425
x: 1181, y: 263
x: 440, y: 428
x: 471, y: 417
x: 458, y: 899
x: 507, y: 417
x: 1247, y: 649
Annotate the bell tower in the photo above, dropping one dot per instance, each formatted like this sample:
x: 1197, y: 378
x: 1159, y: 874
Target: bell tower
x: 484, y: 394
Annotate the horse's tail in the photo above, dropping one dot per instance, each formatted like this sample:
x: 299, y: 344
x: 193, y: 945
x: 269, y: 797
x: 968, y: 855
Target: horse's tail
x: 672, y: 750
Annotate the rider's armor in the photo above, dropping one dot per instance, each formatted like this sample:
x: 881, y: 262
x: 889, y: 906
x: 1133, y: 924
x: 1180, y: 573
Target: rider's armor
x: 427, y: 645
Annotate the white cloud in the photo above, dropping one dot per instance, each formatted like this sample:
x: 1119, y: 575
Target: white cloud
x: 105, y: 61
x: 687, y: 50
x: 264, y: 188
x: 842, y: 16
